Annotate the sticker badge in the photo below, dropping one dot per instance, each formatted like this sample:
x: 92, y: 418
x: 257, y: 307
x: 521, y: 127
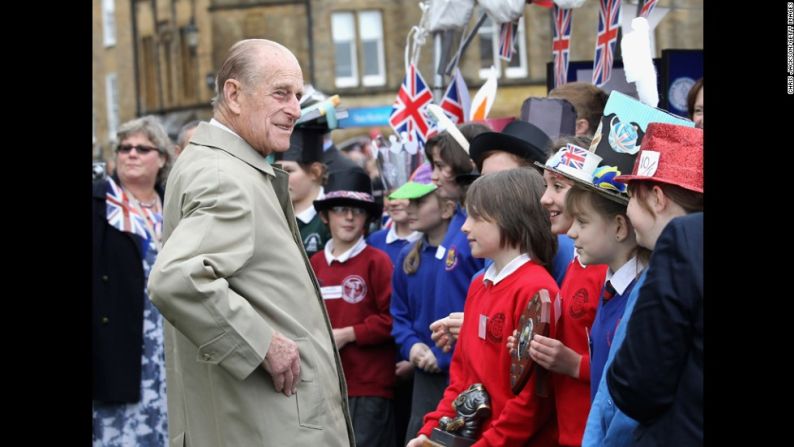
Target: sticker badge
x: 440, y: 252
x: 354, y: 289
x: 452, y: 258
x: 649, y: 162
x: 481, y: 330
x: 331, y: 292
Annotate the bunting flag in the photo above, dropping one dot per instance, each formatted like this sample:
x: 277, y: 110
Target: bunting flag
x: 483, y: 100
x: 508, y: 33
x: 407, y: 114
x: 456, y: 99
x: 609, y: 16
x: 647, y: 8
x: 561, y: 43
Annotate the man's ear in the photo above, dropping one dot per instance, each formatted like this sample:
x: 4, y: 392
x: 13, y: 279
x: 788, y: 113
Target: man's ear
x: 232, y: 90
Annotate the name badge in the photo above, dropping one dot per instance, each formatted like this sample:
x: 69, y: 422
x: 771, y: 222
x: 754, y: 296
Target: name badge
x: 331, y: 292
x: 440, y: 252
x: 483, y: 326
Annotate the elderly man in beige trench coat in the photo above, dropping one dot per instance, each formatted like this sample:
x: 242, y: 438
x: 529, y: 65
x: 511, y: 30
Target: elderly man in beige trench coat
x: 250, y: 354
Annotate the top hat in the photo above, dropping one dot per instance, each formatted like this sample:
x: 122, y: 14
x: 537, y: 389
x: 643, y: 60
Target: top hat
x: 349, y: 187
x: 556, y: 117
x: 670, y: 154
x: 519, y: 137
x: 305, y: 146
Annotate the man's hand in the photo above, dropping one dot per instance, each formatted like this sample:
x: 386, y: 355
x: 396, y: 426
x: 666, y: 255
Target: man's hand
x: 446, y: 330
x: 283, y: 363
x: 343, y: 336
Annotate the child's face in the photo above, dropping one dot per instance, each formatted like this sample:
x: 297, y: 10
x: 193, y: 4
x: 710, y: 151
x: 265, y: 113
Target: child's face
x: 553, y: 200
x: 483, y: 237
x: 644, y: 222
x: 397, y: 209
x: 443, y: 177
x: 594, y: 236
x: 424, y: 214
x: 300, y: 183
x: 346, y: 223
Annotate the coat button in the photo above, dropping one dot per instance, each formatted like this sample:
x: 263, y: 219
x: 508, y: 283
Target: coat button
x: 105, y: 278
x: 105, y: 320
x: 207, y: 357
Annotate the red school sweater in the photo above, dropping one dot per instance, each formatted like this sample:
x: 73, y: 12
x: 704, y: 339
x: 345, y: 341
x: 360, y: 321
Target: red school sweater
x: 360, y: 296
x: 517, y: 420
x: 579, y: 296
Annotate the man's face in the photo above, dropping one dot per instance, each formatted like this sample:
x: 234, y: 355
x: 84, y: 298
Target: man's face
x: 269, y: 109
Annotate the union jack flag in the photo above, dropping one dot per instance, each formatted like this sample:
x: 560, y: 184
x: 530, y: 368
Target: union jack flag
x: 407, y: 113
x: 120, y: 214
x: 608, y: 25
x: 456, y: 99
x: 561, y: 43
x: 647, y: 7
x: 573, y: 156
x: 507, y: 37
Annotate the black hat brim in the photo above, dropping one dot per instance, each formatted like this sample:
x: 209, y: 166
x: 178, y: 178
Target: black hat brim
x: 494, y: 141
x: 374, y: 209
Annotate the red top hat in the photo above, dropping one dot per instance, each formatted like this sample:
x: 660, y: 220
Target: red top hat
x: 670, y: 154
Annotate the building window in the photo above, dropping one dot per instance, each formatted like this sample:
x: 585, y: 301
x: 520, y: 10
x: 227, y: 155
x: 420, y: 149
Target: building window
x: 109, y: 22
x: 344, y: 34
x: 351, y: 40
x: 489, y: 51
x: 112, y: 101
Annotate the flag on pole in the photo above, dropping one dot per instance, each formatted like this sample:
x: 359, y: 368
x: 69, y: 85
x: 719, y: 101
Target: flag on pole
x: 407, y: 114
x: 483, y: 100
x: 647, y: 8
x: 561, y: 43
x: 608, y: 24
x: 456, y: 99
x: 507, y: 39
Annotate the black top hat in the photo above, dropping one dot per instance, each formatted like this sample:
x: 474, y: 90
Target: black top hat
x: 305, y: 146
x: 519, y: 137
x: 556, y: 117
x: 350, y: 187
x: 469, y: 178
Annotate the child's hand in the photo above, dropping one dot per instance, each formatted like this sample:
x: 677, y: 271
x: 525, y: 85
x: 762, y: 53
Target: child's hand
x: 512, y: 341
x: 554, y: 356
x: 417, y: 441
x: 428, y: 362
x: 417, y: 353
x: 343, y: 336
x: 446, y: 330
x: 403, y: 369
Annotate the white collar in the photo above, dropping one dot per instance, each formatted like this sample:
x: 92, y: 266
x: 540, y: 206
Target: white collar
x: 625, y: 275
x: 308, y: 214
x: 392, y: 236
x: 492, y: 275
x: 217, y: 123
x: 356, y: 249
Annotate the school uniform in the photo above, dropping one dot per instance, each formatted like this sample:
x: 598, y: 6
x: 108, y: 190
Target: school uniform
x: 388, y: 241
x: 577, y: 309
x: 493, y: 308
x: 314, y: 232
x: 356, y: 290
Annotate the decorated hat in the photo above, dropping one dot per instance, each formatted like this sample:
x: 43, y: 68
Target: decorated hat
x: 319, y: 111
x: 349, y: 187
x: 556, y: 117
x: 519, y: 137
x: 670, y: 154
x: 305, y: 146
x: 586, y: 168
x: 413, y: 190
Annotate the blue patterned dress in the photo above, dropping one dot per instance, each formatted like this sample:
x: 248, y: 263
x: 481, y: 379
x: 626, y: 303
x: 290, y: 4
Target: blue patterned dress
x: 143, y: 423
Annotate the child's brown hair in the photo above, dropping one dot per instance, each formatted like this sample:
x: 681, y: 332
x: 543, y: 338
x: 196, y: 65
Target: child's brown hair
x: 511, y: 200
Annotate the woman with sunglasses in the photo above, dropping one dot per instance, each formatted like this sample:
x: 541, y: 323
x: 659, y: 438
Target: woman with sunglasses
x: 128, y: 365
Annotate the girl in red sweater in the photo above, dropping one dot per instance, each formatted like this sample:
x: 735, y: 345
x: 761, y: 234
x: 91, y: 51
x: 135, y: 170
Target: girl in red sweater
x: 507, y: 224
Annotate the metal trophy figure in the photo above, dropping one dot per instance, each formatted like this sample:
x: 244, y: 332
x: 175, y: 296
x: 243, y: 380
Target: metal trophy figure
x: 534, y: 320
x: 473, y: 407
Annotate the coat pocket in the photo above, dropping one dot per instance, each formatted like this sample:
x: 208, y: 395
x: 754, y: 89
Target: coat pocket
x: 178, y: 441
x: 309, y: 395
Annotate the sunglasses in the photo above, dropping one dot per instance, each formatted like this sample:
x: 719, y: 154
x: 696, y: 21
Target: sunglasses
x: 141, y: 149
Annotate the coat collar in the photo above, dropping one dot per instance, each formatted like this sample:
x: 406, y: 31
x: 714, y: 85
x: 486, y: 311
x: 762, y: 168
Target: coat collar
x: 221, y: 137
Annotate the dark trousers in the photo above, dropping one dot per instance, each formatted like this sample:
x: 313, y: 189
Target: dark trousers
x: 428, y: 390
x: 403, y: 395
x: 373, y: 421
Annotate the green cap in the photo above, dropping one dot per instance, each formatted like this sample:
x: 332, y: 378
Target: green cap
x: 413, y: 190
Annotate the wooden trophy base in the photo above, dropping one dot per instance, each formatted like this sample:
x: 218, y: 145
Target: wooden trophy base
x: 440, y: 438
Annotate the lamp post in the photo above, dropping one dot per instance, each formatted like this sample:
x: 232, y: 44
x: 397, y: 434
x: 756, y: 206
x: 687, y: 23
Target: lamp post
x: 192, y: 36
